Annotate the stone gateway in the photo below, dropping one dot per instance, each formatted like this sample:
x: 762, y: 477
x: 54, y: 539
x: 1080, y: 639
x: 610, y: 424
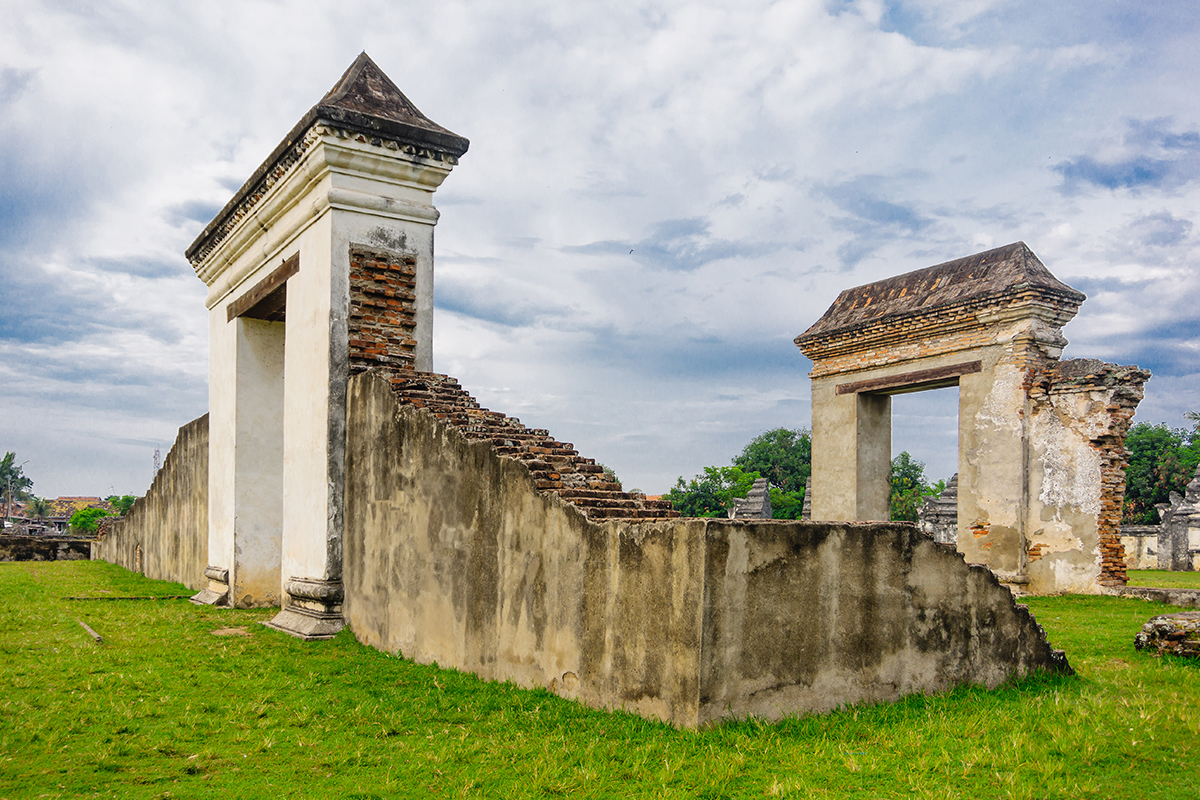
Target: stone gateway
x: 321, y: 262
x: 1041, y: 441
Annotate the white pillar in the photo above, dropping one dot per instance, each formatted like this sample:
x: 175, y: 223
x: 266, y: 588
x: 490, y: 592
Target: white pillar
x: 357, y: 174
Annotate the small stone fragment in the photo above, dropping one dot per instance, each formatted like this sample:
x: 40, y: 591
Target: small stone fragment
x: 1177, y: 634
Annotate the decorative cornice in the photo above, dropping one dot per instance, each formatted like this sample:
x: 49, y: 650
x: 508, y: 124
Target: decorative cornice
x: 318, y: 181
x: 293, y: 151
x: 252, y: 191
x: 976, y: 314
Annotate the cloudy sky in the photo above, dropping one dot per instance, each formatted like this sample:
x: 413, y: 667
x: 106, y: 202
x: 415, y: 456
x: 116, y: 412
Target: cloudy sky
x: 659, y: 196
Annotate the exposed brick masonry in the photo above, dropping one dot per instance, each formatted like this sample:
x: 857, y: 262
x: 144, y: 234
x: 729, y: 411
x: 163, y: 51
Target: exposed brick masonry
x: 556, y: 467
x: 381, y: 323
x: 1123, y: 388
x: 381, y: 326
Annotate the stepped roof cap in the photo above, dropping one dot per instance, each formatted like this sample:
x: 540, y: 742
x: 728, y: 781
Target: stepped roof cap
x: 363, y: 100
x: 993, y: 275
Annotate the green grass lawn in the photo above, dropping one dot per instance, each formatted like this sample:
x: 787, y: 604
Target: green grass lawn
x: 166, y: 708
x: 1163, y: 579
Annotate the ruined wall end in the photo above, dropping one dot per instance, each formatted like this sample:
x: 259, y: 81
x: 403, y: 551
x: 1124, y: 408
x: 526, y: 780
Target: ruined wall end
x: 813, y: 616
x: 165, y: 535
x: 1080, y: 411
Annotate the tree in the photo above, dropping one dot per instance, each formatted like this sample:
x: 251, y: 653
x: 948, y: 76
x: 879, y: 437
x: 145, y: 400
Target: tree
x: 121, y: 504
x: 784, y: 457
x: 38, y: 507
x: 87, y: 520
x: 1161, y: 460
x: 909, y: 487
x: 787, y: 505
x: 14, y: 485
x: 711, y: 494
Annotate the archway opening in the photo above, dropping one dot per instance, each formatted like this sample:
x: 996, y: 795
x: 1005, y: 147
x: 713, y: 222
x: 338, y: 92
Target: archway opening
x: 924, y: 447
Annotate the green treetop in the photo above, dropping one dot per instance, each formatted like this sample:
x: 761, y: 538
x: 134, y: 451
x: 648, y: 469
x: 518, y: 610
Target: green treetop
x: 121, y: 504
x: 87, y: 520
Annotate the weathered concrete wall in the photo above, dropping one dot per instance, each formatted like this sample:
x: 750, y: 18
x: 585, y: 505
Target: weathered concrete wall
x: 165, y: 535
x: 1140, y: 544
x: 453, y: 556
x: 43, y: 548
x: 810, y: 616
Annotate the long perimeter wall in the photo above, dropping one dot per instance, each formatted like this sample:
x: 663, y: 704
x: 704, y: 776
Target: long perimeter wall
x: 452, y: 555
x: 165, y: 535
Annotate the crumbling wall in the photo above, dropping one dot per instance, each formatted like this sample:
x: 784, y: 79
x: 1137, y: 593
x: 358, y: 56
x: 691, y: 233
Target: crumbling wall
x: 453, y: 555
x: 811, y: 616
x: 43, y: 548
x: 165, y: 535
x: 556, y: 466
x: 1080, y: 412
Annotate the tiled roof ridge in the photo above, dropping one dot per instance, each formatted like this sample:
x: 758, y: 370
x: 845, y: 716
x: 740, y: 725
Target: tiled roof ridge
x: 67, y: 505
x: 556, y: 467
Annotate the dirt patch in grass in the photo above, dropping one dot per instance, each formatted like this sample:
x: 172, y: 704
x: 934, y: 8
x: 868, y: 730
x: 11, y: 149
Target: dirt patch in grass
x: 240, y: 630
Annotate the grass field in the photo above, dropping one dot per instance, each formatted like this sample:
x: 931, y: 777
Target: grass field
x: 166, y: 707
x: 1164, y: 579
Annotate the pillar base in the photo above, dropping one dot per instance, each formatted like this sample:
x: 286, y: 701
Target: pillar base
x: 312, y: 610
x: 217, y: 591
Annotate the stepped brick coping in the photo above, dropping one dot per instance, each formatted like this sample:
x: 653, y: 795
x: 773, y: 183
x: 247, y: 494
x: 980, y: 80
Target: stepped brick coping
x: 556, y: 467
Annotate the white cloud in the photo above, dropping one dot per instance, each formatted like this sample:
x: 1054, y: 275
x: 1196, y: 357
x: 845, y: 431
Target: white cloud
x: 757, y: 157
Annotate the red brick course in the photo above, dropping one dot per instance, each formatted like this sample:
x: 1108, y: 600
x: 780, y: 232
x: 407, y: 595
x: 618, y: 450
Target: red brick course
x: 556, y: 467
x: 382, y: 320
